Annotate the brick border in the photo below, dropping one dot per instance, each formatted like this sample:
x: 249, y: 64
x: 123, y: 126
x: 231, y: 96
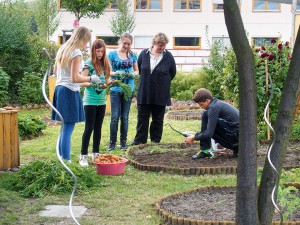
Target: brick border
x: 174, y: 220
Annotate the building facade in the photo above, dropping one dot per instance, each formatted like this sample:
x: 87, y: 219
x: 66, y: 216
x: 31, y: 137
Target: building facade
x: 191, y: 25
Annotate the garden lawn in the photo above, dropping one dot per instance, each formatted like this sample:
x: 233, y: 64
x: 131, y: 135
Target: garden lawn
x: 127, y: 199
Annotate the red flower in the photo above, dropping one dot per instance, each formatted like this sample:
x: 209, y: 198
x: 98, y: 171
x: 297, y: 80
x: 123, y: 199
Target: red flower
x: 279, y: 46
x: 287, y: 44
x: 263, y: 55
x: 289, y: 57
x: 263, y: 48
x: 271, y: 57
x: 273, y: 41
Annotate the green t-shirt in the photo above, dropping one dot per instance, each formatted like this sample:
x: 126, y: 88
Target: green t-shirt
x: 94, y: 96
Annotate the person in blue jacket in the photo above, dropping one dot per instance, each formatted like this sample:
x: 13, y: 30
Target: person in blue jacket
x: 220, y: 122
x: 122, y: 60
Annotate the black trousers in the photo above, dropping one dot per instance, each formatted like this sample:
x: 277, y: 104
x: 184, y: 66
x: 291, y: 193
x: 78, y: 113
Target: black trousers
x: 94, y: 116
x: 157, y: 113
x: 226, y: 134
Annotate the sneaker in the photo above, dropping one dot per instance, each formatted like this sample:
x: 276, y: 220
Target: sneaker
x: 203, y: 154
x: 123, y: 146
x: 95, y: 155
x: 111, y: 146
x: 83, y: 161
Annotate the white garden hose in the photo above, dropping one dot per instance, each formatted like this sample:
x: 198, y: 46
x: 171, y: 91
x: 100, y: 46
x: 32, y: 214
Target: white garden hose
x: 57, y: 142
x: 269, y: 152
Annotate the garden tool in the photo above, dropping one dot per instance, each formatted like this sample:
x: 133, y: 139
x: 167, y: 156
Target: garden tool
x: 183, y: 134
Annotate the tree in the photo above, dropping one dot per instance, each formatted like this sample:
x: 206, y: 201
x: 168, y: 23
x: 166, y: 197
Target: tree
x: 252, y: 207
x: 46, y: 16
x: 122, y: 21
x: 85, y: 8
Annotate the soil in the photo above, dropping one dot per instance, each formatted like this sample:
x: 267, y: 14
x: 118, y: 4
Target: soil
x: 213, y: 204
x: 179, y: 155
x: 205, y: 204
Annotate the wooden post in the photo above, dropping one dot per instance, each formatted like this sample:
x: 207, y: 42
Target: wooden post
x: 51, y: 83
x: 9, y: 140
x: 267, y: 91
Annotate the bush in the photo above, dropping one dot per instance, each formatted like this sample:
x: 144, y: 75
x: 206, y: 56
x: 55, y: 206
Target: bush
x: 30, y: 89
x: 30, y: 126
x: 3, y: 87
x: 184, y: 85
x: 43, y: 177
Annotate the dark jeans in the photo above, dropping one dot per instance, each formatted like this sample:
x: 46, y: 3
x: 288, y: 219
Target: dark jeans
x: 94, y: 118
x: 156, y: 127
x: 119, y: 110
x: 226, y: 134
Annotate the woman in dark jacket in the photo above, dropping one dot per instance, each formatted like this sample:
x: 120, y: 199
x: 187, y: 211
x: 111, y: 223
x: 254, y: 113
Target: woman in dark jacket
x: 157, y: 68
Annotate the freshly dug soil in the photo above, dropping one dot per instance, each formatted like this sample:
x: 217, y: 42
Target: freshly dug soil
x: 179, y: 155
x: 209, y: 204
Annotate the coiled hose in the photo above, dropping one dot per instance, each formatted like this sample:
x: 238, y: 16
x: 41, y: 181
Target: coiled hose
x: 270, y: 149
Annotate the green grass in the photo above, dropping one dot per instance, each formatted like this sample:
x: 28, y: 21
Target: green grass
x: 127, y: 199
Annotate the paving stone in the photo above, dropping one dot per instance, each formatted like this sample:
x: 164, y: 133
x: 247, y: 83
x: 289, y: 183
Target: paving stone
x: 62, y: 211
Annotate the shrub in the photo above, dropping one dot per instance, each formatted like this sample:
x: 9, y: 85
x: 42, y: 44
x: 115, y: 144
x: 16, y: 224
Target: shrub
x: 48, y: 176
x: 30, y: 126
x: 3, y: 87
x: 184, y: 85
x: 30, y: 89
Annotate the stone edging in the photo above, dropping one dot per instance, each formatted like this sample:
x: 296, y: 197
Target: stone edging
x: 174, y: 220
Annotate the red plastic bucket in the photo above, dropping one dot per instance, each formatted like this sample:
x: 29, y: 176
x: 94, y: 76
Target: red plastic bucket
x: 111, y: 168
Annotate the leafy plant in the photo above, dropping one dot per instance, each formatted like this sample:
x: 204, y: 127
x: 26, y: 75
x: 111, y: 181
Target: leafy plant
x: 184, y: 85
x: 3, y: 87
x: 288, y: 198
x: 122, y: 21
x: 30, y: 126
x: 43, y: 177
x: 30, y: 90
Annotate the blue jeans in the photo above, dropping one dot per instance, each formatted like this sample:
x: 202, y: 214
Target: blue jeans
x: 119, y: 110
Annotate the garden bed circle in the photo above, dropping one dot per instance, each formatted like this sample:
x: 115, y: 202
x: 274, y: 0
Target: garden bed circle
x: 185, y: 115
x: 173, y: 219
x: 176, y: 158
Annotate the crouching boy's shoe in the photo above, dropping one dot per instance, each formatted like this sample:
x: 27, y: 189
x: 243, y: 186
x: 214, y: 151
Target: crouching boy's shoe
x: 203, y: 154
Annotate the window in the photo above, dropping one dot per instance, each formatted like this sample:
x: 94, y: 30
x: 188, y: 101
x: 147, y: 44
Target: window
x: 187, y: 5
x: 298, y: 7
x: 259, y: 41
x: 259, y: 5
x: 187, y: 42
x: 62, y: 39
x: 113, y: 5
x: 142, y: 41
x: 148, y: 4
x: 109, y: 40
x: 222, y: 41
x: 219, y: 6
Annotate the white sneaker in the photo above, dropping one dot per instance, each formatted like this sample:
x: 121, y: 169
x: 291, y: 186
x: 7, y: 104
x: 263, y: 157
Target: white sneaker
x: 83, y: 161
x: 95, y: 155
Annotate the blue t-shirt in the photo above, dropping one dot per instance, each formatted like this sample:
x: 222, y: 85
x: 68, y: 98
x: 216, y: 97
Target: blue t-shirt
x: 122, y: 65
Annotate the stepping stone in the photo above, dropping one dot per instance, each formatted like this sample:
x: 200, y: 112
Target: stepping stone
x: 62, y: 211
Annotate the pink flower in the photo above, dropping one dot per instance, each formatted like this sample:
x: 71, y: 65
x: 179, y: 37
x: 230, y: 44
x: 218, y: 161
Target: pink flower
x: 287, y: 44
x: 75, y: 24
x: 263, y: 48
x: 273, y: 41
x: 289, y: 57
x: 279, y: 46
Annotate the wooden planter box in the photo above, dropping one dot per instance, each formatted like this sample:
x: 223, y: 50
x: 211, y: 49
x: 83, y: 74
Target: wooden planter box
x: 9, y: 140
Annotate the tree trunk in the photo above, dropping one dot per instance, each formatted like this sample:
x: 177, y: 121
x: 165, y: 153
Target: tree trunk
x: 246, y: 197
x: 282, y: 130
